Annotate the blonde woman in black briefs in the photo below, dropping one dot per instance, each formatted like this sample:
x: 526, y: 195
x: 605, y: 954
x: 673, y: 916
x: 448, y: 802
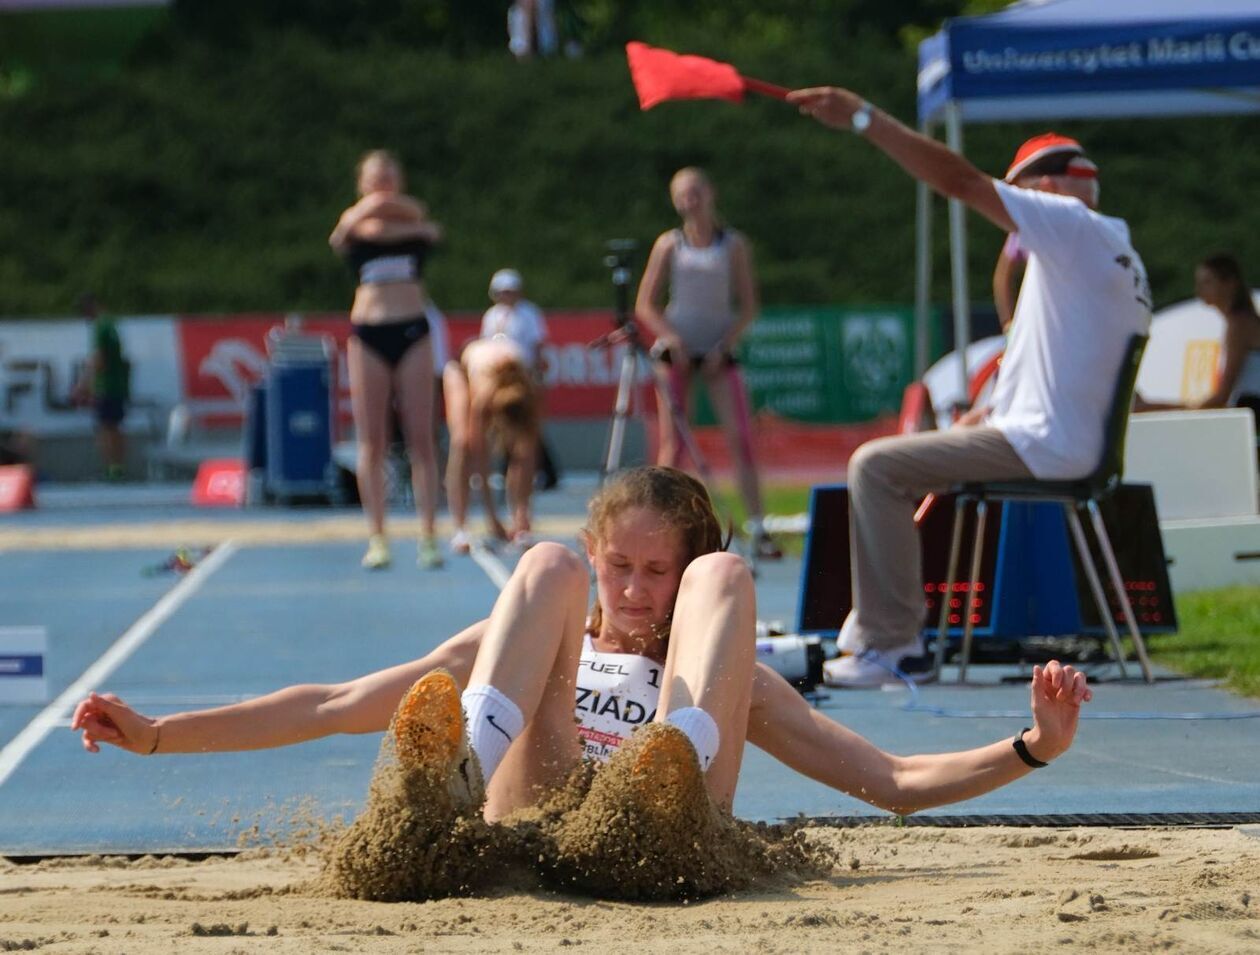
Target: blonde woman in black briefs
x: 384, y: 238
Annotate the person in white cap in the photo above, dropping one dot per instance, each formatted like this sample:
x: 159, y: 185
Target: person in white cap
x: 1084, y: 294
x: 514, y: 316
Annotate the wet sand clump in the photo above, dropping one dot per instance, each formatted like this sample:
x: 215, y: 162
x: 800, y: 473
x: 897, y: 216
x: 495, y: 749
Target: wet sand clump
x: 646, y: 829
x: 421, y: 835
x: 412, y: 842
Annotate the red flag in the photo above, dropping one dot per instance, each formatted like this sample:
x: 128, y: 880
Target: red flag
x: 661, y: 75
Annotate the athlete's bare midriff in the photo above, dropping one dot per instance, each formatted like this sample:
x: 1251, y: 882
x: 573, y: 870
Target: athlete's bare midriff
x: 385, y: 302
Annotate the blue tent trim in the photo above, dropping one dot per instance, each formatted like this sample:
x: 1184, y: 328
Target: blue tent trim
x: 1082, y: 58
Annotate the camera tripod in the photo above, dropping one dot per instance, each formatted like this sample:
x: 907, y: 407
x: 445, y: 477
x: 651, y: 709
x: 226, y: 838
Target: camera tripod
x: 627, y: 332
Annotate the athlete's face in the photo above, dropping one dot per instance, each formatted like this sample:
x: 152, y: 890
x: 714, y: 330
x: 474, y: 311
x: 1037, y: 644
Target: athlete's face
x: 379, y: 175
x: 692, y: 196
x: 638, y: 561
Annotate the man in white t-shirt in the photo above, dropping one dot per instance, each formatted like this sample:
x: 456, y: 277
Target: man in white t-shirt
x: 1084, y: 295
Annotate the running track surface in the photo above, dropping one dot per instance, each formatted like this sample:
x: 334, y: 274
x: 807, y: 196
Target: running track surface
x: 254, y: 618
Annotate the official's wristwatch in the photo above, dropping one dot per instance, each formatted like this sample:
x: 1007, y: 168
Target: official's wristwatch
x: 860, y: 121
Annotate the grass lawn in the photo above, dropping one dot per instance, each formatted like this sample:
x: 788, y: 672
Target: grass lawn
x: 779, y: 499
x: 1219, y: 638
x: 1220, y: 629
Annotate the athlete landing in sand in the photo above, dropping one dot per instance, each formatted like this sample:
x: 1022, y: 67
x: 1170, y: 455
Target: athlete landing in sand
x: 670, y: 637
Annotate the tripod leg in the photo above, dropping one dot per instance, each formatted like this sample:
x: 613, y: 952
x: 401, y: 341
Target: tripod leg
x: 621, y: 413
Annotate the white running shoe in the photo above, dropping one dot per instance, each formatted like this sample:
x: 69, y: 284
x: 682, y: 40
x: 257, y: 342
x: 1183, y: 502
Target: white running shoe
x: 872, y: 667
x: 460, y: 542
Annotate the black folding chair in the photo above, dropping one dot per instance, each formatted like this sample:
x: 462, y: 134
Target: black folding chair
x: 1076, y: 497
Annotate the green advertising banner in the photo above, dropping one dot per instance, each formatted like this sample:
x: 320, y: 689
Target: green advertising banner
x: 826, y: 364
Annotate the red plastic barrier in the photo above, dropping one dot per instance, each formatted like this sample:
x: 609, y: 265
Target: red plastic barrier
x: 220, y: 483
x: 17, y: 487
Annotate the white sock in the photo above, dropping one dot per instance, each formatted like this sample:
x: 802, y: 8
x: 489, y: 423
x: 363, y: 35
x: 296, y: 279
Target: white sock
x: 700, y: 728
x: 493, y: 721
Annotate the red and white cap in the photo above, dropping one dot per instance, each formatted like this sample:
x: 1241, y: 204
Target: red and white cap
x: 1050, y: 144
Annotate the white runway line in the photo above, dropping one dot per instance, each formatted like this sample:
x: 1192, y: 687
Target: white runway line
x: 488, y: 561
x: 59, y: 710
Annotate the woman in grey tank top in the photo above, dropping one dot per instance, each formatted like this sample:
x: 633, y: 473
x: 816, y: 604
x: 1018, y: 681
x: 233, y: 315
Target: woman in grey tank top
x: 712, y: 300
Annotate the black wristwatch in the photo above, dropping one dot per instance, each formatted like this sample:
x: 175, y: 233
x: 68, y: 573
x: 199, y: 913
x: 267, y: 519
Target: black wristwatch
x: 1022, y: 751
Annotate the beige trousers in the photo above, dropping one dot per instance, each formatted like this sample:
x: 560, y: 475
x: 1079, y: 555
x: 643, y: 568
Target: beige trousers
x: 887, y: 479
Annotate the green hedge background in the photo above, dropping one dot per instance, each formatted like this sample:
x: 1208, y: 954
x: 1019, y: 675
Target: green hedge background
x: 205, y: 171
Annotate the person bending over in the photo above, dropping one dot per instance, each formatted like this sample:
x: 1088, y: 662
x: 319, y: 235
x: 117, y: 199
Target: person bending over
x: 491, y: 397
x: 1084, y: 295
x: 514, y: 316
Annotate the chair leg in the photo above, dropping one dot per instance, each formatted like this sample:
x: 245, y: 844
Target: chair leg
x: 942, y: 627
x: 1095, y: 585
x: 1117, y: 581
x: 982, y: 508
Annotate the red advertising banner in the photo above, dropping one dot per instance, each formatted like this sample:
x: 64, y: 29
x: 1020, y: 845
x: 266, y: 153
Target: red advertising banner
x: 223, y: 356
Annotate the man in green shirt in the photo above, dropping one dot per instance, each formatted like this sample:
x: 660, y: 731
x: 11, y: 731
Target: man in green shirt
x: 106, y: 384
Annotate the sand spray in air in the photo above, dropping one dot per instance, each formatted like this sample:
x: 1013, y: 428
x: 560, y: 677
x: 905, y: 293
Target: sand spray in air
x: 641, y: 827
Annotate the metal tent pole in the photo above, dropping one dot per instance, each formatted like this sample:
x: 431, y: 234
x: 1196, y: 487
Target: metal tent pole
x: 922, y: 270
x: 958, y: 253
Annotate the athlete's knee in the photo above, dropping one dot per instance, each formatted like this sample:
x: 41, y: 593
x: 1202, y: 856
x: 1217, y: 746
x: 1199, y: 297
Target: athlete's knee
x: 721, y: 571
x: 420, y: 448
x: 555, y: 563
x: 372, y: 451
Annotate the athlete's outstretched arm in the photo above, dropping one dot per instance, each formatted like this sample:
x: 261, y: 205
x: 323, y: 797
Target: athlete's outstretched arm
x: 292, y: 715
x: 783, y: 724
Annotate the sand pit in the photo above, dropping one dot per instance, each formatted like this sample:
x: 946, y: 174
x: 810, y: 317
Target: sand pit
x: 1000, y: 890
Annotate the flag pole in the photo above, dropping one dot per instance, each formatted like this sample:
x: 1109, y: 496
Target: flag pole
x: 764, y: 88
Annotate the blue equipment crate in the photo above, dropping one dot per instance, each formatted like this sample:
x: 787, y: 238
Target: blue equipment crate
x: 299, y: 427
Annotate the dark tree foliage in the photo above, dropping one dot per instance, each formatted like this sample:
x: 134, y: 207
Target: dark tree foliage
x: 456, y: 25
x: 206, y: 175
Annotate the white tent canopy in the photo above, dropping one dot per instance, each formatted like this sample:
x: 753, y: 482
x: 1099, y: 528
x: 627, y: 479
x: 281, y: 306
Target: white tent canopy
x: 1075, y: 59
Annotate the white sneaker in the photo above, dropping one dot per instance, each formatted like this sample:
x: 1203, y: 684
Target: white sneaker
x: 460, y: 542
x: 872, y: 667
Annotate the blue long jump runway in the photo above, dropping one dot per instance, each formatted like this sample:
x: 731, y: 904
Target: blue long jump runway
x: 265, y: 617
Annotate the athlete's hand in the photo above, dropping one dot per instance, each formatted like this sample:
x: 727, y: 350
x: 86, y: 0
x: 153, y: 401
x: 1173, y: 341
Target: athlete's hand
x: 830, y: 105
x: 104, y: 718
x: 972, y: 417
x: 669, y: 347
x: 1057, y: 694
